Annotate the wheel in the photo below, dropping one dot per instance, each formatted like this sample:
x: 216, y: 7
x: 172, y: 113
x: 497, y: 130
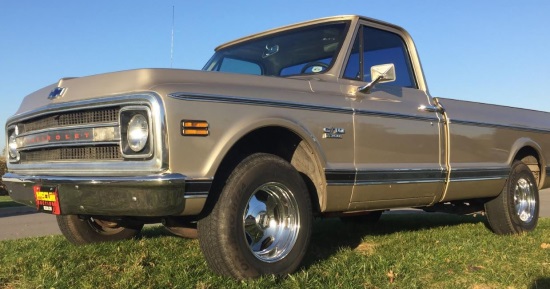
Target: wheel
x: 261, y: 223
x: 81, y: 230
x: 314, y: 67
x: 516, y: 209
x: 367, y: 219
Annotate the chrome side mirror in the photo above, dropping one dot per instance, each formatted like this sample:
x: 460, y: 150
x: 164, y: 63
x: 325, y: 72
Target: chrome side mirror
x: 379, y: 74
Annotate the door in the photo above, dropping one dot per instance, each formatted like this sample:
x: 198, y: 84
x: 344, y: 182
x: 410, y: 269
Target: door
x: 398, y: 150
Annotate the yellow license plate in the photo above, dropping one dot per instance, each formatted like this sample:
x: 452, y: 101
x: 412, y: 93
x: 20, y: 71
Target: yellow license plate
x: 46, y: 196
x: 47, y: 199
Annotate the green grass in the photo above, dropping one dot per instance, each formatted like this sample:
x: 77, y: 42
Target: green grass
x: 402, y: 251
x: 6, y: 201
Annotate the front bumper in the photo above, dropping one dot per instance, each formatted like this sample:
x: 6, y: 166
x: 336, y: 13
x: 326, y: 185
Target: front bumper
x: 145, y: 196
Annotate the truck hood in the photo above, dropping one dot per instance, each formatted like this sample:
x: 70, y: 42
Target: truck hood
x: 161, y: 81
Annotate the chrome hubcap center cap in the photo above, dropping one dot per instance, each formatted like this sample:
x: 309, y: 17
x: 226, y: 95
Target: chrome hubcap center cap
x: 262, y: 220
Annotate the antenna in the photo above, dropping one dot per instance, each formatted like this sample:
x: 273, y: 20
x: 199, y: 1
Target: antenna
x: 172, y: 42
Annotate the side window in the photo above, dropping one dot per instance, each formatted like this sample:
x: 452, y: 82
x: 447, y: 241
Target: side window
x: 375, y: 46
x: 239, y: 66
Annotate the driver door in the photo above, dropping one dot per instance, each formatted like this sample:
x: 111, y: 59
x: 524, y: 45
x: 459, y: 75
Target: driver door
x: 398, y: 155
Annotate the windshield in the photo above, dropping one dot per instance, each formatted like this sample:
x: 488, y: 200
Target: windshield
x: 308, y: 50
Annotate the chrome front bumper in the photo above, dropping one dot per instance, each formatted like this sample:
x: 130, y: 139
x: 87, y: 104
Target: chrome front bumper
x: 146, y: 196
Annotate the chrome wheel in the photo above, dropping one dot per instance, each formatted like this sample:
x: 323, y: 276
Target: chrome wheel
x: 525, y: 200
x: 271, y: 222
x: 516, y: 209
x: 261, y: 222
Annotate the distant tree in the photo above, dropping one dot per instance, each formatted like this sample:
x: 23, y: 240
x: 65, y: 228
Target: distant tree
x: 3, y: 190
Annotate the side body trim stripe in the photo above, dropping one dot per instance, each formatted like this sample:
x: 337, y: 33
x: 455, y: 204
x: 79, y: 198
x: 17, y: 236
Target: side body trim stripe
x: 500, y: 126
x: 374, y: 177
x: 292, y: 105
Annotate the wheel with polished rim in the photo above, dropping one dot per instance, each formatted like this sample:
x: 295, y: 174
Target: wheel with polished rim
x: 261, y: 222
x: 86, y: 229
x: 271, y: 222
x: 516, y: 209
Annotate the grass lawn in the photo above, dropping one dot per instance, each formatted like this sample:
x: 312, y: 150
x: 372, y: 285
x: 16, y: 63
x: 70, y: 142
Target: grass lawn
x: 402, y: 251
x: 6, y: 201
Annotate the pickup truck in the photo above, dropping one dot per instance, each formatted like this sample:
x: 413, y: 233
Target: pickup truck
x: 330, y: 117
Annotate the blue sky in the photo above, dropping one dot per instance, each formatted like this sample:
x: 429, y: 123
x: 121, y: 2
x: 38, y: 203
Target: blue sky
x: 486, y: 51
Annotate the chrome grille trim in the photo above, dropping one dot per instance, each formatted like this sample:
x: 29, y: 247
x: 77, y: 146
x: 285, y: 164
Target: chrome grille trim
x: 73, y: 118
x: 70, y: 136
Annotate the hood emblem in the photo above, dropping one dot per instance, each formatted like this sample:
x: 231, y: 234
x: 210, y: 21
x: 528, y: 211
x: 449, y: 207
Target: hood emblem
x: 56, y: 93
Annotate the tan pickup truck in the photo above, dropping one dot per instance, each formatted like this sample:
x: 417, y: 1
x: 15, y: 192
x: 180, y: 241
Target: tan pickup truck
x: 330, y: 117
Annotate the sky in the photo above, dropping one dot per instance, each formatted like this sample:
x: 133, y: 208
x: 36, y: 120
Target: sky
x: 491, y: 51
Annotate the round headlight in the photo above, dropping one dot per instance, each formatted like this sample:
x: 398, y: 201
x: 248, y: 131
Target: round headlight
x: 12, y: 146
x: 138, y: 132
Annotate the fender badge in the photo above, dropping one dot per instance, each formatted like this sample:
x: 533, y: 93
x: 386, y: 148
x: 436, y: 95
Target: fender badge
x: 56, y: 93
x: 333, y: 132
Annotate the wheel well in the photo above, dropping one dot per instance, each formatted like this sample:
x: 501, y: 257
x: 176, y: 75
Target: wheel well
x: 278, y: 141
x: 531, y: 158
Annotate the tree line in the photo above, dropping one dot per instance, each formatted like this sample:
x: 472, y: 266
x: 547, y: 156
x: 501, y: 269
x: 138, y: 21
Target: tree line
x: 3, y: 190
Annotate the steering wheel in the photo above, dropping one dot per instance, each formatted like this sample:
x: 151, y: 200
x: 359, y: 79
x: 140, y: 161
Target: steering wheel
x: 316, y: 67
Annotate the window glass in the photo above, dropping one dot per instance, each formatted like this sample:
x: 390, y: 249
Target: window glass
x: 239, y: 66
x: 353, y: 68
x: 380, y: 47
x: 306, y: 50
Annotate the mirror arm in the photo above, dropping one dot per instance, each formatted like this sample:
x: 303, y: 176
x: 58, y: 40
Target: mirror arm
x: 366, y: 88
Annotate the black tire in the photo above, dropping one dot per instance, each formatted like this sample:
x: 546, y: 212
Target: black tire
x: 516, y: 209
x: 239, y: 236
x: 369, y: 219
x: 82, y: 230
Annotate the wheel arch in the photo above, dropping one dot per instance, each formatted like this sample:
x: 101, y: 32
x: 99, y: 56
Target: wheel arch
x: 281, y: 138
x: 530, y: 153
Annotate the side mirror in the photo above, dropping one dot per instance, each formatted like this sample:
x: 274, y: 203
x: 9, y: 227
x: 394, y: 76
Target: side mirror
x: 379, y: 74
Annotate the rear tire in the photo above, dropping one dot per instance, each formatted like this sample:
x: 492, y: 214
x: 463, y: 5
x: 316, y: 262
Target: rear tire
x: 261, y: 223
x: 82, y: 230
x: 516, y: 209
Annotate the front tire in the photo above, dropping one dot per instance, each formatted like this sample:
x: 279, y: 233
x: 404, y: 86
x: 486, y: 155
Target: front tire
x: 82, y: 230
x: 516, y: 209
x: 261, y: 223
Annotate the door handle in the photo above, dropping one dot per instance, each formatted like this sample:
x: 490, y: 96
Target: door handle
x: 430, y: 108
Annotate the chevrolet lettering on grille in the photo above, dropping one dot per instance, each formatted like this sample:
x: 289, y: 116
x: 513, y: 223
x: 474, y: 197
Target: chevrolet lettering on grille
x: 70, y: 136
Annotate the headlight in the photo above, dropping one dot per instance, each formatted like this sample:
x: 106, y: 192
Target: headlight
x: 138, y: 132
x: 12, y: 145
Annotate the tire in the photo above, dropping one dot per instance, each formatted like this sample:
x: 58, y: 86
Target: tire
x: 261, y: 223
x: 85, y: 230
x: 516, y: 209
x: 369, y: 219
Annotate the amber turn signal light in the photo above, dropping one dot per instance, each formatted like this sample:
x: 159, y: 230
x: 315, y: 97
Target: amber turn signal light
x: 194, y: 128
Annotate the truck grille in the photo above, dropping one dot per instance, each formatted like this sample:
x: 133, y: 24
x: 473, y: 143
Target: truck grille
x: 96, y: 116
x: 111, y: 152
x: 55, y: 137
